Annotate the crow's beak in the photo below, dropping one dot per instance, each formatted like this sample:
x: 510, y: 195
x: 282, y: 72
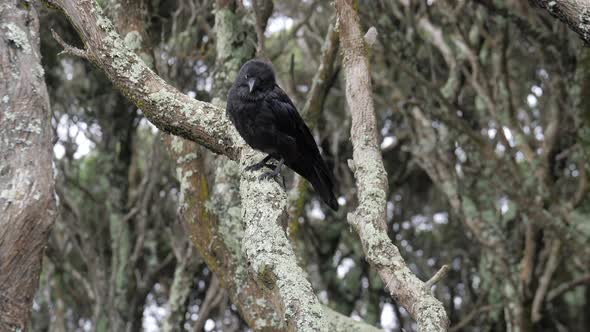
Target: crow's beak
x: 251, y: 82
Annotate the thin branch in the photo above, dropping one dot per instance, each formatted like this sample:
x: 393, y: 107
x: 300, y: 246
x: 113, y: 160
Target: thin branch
x: 69, y: 49
x: 262, y: 11
x: 567, y: 286
x: 475, y: 313
x: 552, y: 264
x: 212, y: 299
x: 284, y: 41
x: 439, y: 275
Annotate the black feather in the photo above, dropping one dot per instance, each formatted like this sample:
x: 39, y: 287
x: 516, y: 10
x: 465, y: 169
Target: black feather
x: 268, y: 121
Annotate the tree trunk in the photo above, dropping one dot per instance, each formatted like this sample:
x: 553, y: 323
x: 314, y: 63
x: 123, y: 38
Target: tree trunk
x: 27, y: 205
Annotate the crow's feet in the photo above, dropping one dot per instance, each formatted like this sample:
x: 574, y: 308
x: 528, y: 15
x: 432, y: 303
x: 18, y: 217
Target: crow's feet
x: 255, y: 167
x: 274, y: 174
x: 260, y: 164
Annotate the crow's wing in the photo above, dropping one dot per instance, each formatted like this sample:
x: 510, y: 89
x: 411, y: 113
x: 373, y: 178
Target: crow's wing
x: 288, y: 120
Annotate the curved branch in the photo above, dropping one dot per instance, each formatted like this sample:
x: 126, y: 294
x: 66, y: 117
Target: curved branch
x: 371, y: 179
x: 165, y: 107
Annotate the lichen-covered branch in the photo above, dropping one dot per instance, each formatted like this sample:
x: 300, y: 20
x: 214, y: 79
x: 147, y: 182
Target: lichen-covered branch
x: 271, y: 255
x: 369, y: 218
x: 27, y: 204
x: 165, y: 107
x: 574, y: 13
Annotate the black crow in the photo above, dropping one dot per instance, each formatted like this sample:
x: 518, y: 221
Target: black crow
x: 268, y: 121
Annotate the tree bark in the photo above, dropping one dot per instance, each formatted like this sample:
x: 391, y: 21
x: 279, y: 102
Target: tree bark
x: 368, y: 219
x: 574, y: 13
x: 27, y: 204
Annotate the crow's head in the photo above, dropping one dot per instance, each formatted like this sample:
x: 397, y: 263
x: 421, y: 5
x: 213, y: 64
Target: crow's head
x: 255, y: 78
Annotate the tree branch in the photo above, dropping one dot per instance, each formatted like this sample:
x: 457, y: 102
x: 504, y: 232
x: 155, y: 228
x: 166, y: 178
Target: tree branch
x: 367, y: 165
x: 574, y: 13
x: 165, y: 107
x: 559, y: 290
x: 551, y: 266
x: 27, y: 203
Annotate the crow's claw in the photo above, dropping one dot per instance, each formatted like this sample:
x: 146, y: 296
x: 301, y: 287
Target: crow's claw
x: 271, y: 166
x: 272, y: 175
x: 257, y: 166
x: 260, y: 164
x: 268, y: 175
x: 254, y: 167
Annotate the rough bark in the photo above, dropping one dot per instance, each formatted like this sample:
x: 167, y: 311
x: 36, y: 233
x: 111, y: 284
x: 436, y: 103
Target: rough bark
x: 368, y: 219
x: 574, y: 13
x: 27, y: 205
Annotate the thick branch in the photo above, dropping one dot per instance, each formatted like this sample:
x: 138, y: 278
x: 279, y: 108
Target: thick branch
x: 27, y: 204
x: 271, y: 255
x: 369, y: 217
x: 165, y: 107
x: 574, y: 13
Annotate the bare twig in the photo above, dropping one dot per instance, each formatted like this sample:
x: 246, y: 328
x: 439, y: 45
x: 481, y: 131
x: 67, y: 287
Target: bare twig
x: 440, y: 274
x: 469, y: 317
x: 69, y: 49
x: 212, y: 299
x: 567, y: 286
x: 528, y: 258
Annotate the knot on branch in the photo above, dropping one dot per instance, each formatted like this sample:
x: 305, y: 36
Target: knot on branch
x: 371, y: 37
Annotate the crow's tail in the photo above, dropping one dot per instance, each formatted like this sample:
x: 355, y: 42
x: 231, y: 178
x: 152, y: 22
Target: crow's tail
x: 321, y: 180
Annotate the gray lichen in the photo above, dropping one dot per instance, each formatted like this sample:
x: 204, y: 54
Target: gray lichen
x: 133, y: 40
x: 271, y: 256
x: 17, y: 36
